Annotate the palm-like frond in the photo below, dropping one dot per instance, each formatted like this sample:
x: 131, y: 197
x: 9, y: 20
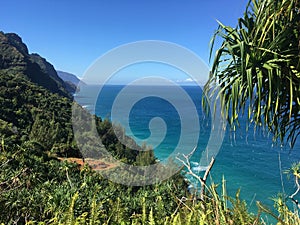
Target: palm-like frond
x: 257, y: 67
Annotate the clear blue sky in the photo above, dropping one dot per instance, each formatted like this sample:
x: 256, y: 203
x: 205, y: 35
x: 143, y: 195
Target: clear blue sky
x: 73, y: 34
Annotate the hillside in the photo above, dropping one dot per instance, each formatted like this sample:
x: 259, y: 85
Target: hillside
x: 68, y: 77
x: 36, y: 134
x: 15, y: 58
x: 37, y: 106
x: 33, y: 99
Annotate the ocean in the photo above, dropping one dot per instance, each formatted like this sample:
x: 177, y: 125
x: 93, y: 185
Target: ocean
x: 248, y: 160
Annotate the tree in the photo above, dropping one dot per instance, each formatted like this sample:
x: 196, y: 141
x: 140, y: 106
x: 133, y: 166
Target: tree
x: 256, y: 69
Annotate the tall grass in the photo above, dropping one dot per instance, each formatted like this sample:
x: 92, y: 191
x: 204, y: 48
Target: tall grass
x: 216, y: 208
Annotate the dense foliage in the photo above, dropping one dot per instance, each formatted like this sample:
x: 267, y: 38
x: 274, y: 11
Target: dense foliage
x: 36, y: 127
x: 15, y: 58
x: 37, y: 187
x: 34, y: 114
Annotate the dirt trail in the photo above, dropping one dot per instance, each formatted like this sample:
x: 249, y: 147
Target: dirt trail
x: 95, y: 164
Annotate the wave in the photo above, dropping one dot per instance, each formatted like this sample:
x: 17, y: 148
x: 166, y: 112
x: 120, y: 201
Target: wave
x: 86, y: 106
x: 195, y: 163
x: 199, y: 168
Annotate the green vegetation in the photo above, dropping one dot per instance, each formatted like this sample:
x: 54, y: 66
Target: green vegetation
x: 260, y: 68
x: 35, y: 126
x: 257, y: 66
x: 38, y: 187
x: 16, y: 59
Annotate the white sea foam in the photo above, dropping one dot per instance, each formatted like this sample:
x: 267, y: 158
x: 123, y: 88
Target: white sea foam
x: 195, y: 163
x: 199, y: 168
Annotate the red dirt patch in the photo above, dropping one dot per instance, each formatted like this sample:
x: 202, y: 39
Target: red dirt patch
x: 95, y: 164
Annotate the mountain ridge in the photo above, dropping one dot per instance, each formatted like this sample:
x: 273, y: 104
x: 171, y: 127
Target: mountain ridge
x: 70, y: 79
x: 15, y: 57
x: 66, y: 76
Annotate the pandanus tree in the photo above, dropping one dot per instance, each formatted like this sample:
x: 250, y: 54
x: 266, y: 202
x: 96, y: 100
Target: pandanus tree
x: 256, y: 68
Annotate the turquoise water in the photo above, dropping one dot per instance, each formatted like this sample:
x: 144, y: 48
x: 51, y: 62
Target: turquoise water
x: 248, y: 160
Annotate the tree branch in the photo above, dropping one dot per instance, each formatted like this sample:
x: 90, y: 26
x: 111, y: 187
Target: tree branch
x: 202, y: 181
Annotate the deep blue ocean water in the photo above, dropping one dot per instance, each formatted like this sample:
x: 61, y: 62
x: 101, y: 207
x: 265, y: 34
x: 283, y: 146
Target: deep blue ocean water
x: 249, y: 161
